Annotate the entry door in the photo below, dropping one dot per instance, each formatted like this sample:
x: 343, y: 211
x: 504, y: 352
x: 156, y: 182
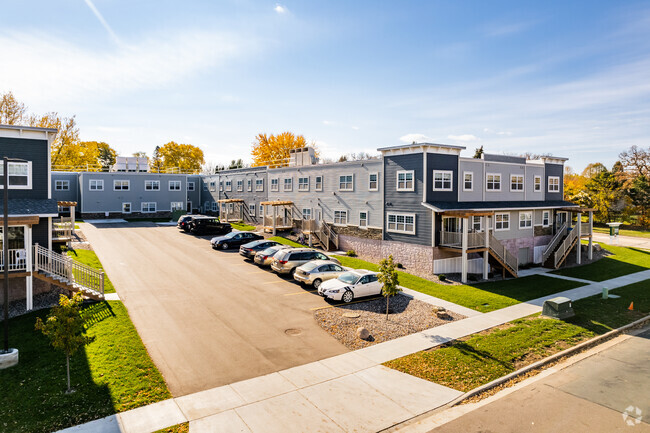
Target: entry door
x: 561, y: 219
x: 524, y: 254
x: 189, y: 207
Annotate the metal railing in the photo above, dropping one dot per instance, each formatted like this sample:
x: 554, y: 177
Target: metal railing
x: 554, y: 242
x: 503, y: 254
x: 68, y: 270
x: 455, y: 239
x: 17, y: 259
x: 564, y: 248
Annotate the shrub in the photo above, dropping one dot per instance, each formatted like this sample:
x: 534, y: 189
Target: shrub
x: 400, y: 266
x: 442, y: 277
x: 351, y: 253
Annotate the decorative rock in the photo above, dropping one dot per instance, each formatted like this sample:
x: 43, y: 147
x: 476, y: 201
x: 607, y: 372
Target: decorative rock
x: 442, y: 313
x: 351, y: 315
x: 363, y: 333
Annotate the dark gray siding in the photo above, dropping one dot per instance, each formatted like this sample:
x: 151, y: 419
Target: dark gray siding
x: 32, y: 150
x: 436, y: 161
x: 72, y: 194
x: 554, y: 170
x: 40, y: 232
x: 409, y: 202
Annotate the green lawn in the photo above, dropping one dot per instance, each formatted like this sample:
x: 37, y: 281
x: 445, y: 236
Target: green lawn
x: 89, y: 258
x: 178, y: 428
x: 285, y: 241
x: 623, y: 261
x: 242, y: 227
x: 625, y: 232
x: 482, y: 297
x: 112, y: 374
x: 478, y: 359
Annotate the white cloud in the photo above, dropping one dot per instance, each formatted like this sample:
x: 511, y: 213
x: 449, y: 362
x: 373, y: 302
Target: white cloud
x: 414, y: 137
x: 280, y: 9
x: 356, y: 128
x: 101, y: 19
x: 327, y: 122
x: 464, y: 137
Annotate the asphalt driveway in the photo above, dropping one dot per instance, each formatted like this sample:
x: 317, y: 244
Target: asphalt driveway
x: 207, y: 318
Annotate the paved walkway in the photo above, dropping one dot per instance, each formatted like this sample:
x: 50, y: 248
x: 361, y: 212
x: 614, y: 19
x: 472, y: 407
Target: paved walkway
x: 348, y: 392
x: 624, y: 241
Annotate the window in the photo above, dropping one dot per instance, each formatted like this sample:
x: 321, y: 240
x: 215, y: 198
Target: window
x: 240, y: 185
x: 288, y: 184
x: 151, y: 185
x: 319, y: 183
x: 261, y: 210
x: 401, y: 223
x: 373, y: 182
x: 221, y: 186
x: 345, y: 182
x: 229, y: 185
x: 405, y: 180
x: 537, y: 183
x: 553, y: 184
x: 259, y: 184
x: 516, y: 182
x: 501, y: 221
x: 546, y: 218
x: 62, y: 185
x: 177, y: 205
x: 120, y: 185
x: 306, y: 213
x: 477, y: 223
x: 525, y: 220
x: 442, y: 180
x: 19, y: 175
x: 205, y: 187
x: 340, y: 217
x: 190, y: 186
x: 126, y: 207
x: 363, y: 219
x: 274, y: 185
x: 174, y: 185
x: 251, y: 209
x: 213, y: 185
x: 468, y: 181
x: 493, y: 182
x: 215, y: 206
x: 148, y: 206
x: 249, y: 184
x: 96, y: 185
x: 303, y: 184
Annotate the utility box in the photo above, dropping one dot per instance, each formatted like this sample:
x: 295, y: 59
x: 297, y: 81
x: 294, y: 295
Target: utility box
x: 558, y: 308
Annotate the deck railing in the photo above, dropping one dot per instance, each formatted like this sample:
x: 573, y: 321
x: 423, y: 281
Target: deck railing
x: 503, y: 254
x: 68, y: 269
x: 326, y: 235
x: 554, y: 242
x: 455, y: 239
x: 62, y: 228
x: 564, y: 247
x: 17, y: 259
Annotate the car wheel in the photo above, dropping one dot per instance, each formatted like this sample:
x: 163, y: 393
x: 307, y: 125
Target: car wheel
x: 348, y: 296
x: 224, y: 245
x: 293, y: 272
x: 317, y: 283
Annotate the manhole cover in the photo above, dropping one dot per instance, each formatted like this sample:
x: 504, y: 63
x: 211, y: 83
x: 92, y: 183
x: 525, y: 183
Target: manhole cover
x: 293, y: 331
x: 351, y: 315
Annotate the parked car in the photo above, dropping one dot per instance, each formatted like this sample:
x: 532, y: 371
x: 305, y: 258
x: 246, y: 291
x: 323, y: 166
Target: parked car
x: 250, y: 249
x: 350, y: 285
x: 188, y: 224
x: 209, y: 226
x: 286, y: 262
x: 234, y: 239
x: 183, y: 221
x: 265, y: 257
x: 315, y: 272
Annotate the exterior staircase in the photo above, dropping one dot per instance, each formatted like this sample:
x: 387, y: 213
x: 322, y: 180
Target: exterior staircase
x: 504, y: 258
x: 564, y: 248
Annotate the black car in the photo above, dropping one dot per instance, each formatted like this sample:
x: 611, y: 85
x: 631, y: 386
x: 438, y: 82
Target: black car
x: 187, y: 226
x: 248, y: 250
x: 234, y: 239
x: 183, y: 221
x: 209, y: 226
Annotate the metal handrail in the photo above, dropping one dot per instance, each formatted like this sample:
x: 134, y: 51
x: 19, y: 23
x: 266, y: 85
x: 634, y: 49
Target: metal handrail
x: 564, y: 247
x: 327, y: 231
x: 68, y: 269
x: 554, y: 242
x: 502, y: 252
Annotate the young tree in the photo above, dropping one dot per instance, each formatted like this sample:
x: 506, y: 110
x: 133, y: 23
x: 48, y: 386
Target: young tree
x: 389, y: 279
x: 65, y: 328
x: 12, y: 112
x: 273, y: 150
x: 66, y: 148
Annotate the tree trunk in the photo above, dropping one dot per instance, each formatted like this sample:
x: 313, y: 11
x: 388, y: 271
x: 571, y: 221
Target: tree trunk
x: 67, y: 362
x: 387, y: 300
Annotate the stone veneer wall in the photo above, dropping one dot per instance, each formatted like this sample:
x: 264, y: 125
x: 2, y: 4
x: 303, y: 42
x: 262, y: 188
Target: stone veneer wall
x: 513, y: 245
x: 355, y: 231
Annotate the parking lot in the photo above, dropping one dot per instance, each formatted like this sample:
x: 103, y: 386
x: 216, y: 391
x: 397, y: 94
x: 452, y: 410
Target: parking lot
x: 207, y: 317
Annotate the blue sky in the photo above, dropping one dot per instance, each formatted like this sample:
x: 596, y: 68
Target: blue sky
x: 567, y: 78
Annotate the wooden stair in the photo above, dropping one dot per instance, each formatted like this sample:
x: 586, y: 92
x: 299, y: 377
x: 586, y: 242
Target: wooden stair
x: 502, y: 257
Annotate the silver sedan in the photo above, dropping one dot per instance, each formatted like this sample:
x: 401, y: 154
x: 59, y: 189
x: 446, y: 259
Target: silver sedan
x: 315, y: 272
x: 265, y: 257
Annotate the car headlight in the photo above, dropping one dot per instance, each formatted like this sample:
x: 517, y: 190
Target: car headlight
x: 334, y: 291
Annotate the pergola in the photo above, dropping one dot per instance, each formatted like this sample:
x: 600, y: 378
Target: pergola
x: 272, y: 221
x: 63, y: 228
x: 231, y: 209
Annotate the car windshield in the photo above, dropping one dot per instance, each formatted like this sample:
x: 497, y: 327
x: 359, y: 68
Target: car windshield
x: 348, y: 277
x: 309, y: 266
x: 270, y: 251
x: 231, y: 235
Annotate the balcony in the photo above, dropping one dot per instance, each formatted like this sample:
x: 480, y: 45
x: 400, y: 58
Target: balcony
x: 17, y: 260
x: 62, y: 229
x: 475, y: 240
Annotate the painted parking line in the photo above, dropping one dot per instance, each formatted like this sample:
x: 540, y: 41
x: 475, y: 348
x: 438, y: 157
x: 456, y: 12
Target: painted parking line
x: 343, y: 304
x: 300, y: 293
x: 274, y: 282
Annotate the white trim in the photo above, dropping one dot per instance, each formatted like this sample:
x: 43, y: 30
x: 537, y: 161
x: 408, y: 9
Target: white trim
x: 367, y: 219
x: 558, y: 184
x: 188, y: 186
x: 128, y: 185
x: 536, y: 185
x: 254, y: 207
x: 277, y: 184
x: 523, y: 182
x: 443, y: 172
x: 307, y: 184
x: 376, y: 188
x: 261, y: 185
x: 425, y: 162
x: 495, y: 222
x: 437, y: 209
x: 180, y: 185
x: 405, y: 189
x: 130, y: 207
x: 487, y: 175
x: 155, y: 205
x: 347, y: 217
x: 351, y: 182
x: 49, y: 233
x: 549, y: 218
x: 171, y: 206
x: 316, y: 187
x: 240, y: 185
x: 152, y: 183
x: 249, y: 185
x: 228, y: 185
x: 395, y: 230
x: 525, y: 227
x: 465, y: 173
x: 285, y: 183
x: 29, y: 176
x: 63, y: 182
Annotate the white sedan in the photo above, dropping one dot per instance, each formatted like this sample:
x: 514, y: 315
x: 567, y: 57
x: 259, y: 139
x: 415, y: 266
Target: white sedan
x: 350, y: 285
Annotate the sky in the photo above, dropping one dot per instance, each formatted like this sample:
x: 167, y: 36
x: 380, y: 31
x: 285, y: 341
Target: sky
x: 569, y: 78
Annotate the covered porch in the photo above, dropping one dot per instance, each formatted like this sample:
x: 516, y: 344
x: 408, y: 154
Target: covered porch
x: 277, y: 215
x: 63, y: 227
x: 231, y: 210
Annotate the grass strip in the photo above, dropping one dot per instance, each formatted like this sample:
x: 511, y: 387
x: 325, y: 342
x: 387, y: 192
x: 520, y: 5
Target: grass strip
x: 242, y: 227
x: 178, y: 428
x: 285, y: 241
x: 88, y: 257
x: 622, y: 261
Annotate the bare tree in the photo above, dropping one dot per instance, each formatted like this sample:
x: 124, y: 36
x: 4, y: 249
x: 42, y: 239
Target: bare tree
x: 638, y: 159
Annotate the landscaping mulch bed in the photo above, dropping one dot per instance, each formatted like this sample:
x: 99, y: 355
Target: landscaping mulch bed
x: 408, y: 316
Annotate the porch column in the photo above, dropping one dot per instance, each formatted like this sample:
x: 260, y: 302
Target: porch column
x: 486, y: 253
x: 72, y: 217
x: 463, y: 277
x: 275, y: 212
x: 29, y: 288
x: 433, y: 241
x: 579, y: 244
x: 590, y: 250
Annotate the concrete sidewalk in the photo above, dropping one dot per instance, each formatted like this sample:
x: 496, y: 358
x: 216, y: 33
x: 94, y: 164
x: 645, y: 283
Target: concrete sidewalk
x: 348, y: 392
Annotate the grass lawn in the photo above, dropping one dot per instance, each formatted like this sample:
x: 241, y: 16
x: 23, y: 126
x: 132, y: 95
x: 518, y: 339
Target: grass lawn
x: 625, y: 232
x: 482, y: 297
x: 242, y: 227
x: 623, y: 261
x: 178, y: 428
x: 478, y: 359
x: 89, y: 258
x: 285, y: 241
x: 112, y: 374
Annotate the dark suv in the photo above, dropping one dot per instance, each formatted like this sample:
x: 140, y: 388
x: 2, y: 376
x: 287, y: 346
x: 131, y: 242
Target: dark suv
x: 184, y: 221
x: 209, y: 226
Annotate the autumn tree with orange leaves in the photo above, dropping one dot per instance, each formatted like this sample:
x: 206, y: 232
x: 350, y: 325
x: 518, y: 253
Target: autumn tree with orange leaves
x: 273, y: 150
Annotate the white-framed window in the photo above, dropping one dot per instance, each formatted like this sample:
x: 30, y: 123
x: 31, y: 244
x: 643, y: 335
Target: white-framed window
x: 20, y: 175
x: 340, y: 217
x: 303, y: 183
x: 274, y: 185
x: 259, y: 184
x: 537, y: 183
x: 121, y: 185
x: 228, y: 185
x: 318, y: 183
x: 288, y: 183
x: 190, y: 186
x: 221, y: 186
x: 493, y: 182
x: 525, y: 220
x: 206, y: 206
x: 148, y: 206
x: 553, y: 184
x: 516, y: 182
x: 177, y: 205
x: 126, y: 207
x: 443, y: 180
x: 251, y: 209
x: 468, y: 181
x: 213, y: 185
x: 546, y: 218
x: 501, y: 221
x: 363, y: 218
x: 249, y: 184
x: 405, y: 180
x: 174, y: 185
x: 215, y: 206
x: 346, y: 182
x: 62, y: 185
x: 477, y: 223
x: 152, y: 185
x: 261, y: 210
x: 240, y: 185
x: 373, y: 182
x: 96, y: 184
x: 401, y: 223
x: 205, y: 186
x: 306, y: 213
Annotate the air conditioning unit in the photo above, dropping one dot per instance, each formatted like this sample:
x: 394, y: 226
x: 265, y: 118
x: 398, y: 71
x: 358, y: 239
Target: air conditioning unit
x: 558, y: 308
